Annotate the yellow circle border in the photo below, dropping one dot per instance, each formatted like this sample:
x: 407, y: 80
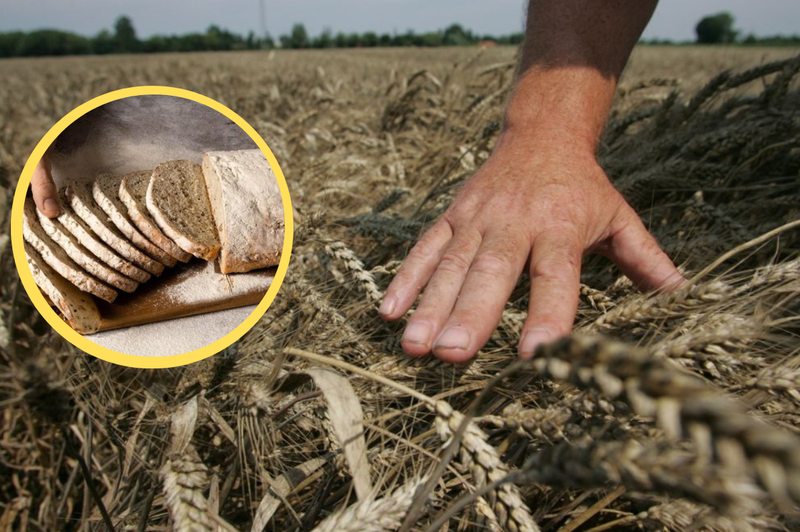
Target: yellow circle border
x: 50, y: 315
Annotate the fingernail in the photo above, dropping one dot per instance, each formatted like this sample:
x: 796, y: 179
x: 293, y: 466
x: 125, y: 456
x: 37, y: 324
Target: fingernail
x: 388, y: 305
x: 418, y: 333
x: 454, y: 337
x: 531, y: 339
x: 51, y: 205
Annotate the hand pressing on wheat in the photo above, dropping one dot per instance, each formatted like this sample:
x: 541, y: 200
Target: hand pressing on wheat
x: 540, y: 202
x: 537, y: 205
x: 45, y: 193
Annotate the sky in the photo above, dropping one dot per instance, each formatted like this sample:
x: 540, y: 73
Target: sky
x: 673, y: 19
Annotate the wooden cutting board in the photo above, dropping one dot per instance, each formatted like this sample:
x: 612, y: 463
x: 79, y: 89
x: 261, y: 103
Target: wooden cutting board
x: 186, y: 290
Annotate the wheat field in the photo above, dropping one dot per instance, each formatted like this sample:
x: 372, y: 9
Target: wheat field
x: 665, y: 412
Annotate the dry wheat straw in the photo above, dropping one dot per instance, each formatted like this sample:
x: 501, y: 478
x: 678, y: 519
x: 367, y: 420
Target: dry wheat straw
x: 682, y: 405
x: 185, y: 477
x: 373, y: 515
x: 644, y: 309
x: 340, y: 251
x: 647, y: 467
x: 487, y: 467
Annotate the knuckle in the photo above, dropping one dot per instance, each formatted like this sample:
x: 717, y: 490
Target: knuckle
x: 556, y: 269
x: 402, y: 278
x: 495, y: 264
x: 422, y: 249
x: 453, y: 262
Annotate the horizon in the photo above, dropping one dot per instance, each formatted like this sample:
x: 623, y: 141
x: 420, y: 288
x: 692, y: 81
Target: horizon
x: 674, y: 20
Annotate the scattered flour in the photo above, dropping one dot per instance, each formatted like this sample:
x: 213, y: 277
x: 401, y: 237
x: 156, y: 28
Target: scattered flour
x: 172, y: 337
x: 208, y: 286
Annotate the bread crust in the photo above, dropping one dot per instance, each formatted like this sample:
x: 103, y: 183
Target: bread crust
x: 78, y: 309
x: 75, y: 225
x: 58, y: 259
x: 137, y: 211
x: 161, y: 181
x: 248, y: 209
x: 80, y: 198
x: 118, y: 214
x: 83, y: 257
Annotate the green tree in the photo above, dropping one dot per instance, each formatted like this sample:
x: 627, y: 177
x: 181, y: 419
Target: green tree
x: 432, y: 38
x: 53, y: 42
x: 298, y: 38
x: 103, y: 43
x: 125, y: 35
x: 385, y: 40
x: 456, y: 35
x: 716, y: 29
x: 369, y: 39
x: 9, y: 43
x: 325, y: 40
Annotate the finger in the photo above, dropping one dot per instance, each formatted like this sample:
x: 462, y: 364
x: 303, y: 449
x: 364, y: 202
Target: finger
x: 491, y: 279
x: 44, y: 191
x: 555, y: 282
x: 441, y: 293
x: 640, y: 257
x: 415, y: 272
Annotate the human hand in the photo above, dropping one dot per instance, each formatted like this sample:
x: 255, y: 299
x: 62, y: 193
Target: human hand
x: 45, y: 193
x: 537, y: 200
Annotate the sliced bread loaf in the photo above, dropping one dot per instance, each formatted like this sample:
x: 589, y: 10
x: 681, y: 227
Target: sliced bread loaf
x: 132, y: 192
x: 57, y: 258
x: 247, y: 208
x: 178, y: 201
x: 83, y: 233
x: 105, y: 191
x: 80, y: 198
x: 82, y: 256
x: 78, y: 309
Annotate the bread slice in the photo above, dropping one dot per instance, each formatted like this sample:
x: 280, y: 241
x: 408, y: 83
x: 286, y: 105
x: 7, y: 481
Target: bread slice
x: 247, y: 208
x: 83, y: 233
x: 57, y: 258
x: 132, y: 192
x: 178, y: 201
x: 82, y: 256
x: 105, y: 191
x: 80, y: 198
x: 79, y: 310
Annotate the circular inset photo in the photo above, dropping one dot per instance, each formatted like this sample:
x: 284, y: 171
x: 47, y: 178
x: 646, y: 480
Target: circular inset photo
x: 152, y: 227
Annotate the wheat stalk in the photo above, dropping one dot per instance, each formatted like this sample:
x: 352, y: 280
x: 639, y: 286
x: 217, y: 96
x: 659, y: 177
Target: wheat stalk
x: 339, y: 250
x: 185, y: 477
x: 487, y: 467
x: 719, y: 427
x: 373, y: 515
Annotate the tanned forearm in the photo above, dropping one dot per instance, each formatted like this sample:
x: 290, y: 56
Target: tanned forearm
x: 573, y: 54
x: 541, y: 200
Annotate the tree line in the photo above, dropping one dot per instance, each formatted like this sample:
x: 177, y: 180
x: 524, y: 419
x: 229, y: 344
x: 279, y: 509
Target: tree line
x: 713, y: 29
x: 123, y: 39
